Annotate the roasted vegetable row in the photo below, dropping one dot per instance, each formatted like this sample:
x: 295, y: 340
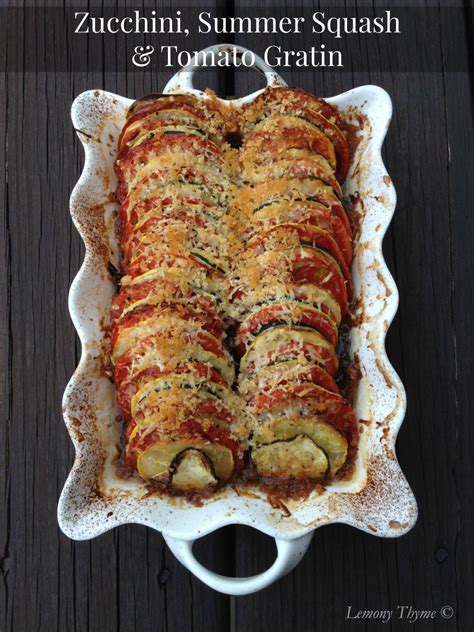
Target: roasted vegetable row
x: 292, y: 285
x: 172, y: 370
x: 255, y: 242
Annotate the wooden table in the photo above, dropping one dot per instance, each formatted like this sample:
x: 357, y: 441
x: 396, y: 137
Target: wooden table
x: 127, y: 580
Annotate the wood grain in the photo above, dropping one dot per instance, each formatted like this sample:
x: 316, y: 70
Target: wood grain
x: 124, y: 580
x: 428, y: 155
x: 127, y: 580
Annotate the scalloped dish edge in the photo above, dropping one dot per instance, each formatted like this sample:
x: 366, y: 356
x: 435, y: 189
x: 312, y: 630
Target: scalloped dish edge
x: 377, y: 499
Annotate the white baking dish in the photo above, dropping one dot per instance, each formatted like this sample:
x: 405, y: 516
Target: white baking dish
x: 95, y: 499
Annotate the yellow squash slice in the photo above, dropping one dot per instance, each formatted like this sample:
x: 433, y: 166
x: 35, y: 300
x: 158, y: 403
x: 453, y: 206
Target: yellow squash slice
x: 299, y: 457
x: 324, y: 434
x: 156, y: 462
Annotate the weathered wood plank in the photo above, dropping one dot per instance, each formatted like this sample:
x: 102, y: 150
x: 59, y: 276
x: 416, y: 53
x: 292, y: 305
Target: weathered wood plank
x: 126, y: 580
x: 5, y: 349
x: 429, y: 158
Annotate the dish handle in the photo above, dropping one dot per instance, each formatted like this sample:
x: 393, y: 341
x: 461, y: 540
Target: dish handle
x: 289, y: 554
x: 183, y: 79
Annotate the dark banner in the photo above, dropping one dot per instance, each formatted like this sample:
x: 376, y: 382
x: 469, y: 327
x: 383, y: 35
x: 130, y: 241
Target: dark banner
x: 134, y: 38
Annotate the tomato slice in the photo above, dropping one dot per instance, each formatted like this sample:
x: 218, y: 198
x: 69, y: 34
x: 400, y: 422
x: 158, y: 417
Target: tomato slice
x: 146, y: 117
x: 281, y: 138
x: 329, y: 406
x: 206, y: 407
x: 332, y: 131
x: 147, y: 262
x: 311, y: 236
x: 155, y: 192
x: 208, y: 107
x: 136, y: 379
x: 153, y: 130
x: 128, y: 168
x: 275, y: 96
x: 159, y: 107
x: 132, y: 360
x: 198, y: 311
x: 310, y: 213
x: 132, y: 238
x: 285, y: 374
x: 312, y: 353
x: 284, y: 312
x: 175, y: 141
x: 315, y: 267
x: 294, y: 168
x: 156, y: 203
x: 156, y: 188
x: 281, y: 343
x: 173, y: 236
x: 208, y: 319
x: 332, y: 202
x: 153, y: 328
x: 295, y: 191
x: 190, y: 429
x: 314, y: 109
x: 141, y: 214
x: 145, y: 293
x: 219, y: 435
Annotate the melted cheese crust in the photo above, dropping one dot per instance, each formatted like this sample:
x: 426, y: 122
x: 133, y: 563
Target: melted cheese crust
x: 211, y: 237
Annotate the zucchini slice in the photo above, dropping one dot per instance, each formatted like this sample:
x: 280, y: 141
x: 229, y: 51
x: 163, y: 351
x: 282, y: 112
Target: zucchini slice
x: 269, y: 346
x: 162, y: 128
x: 131, y: 336
x: 285, y: 166
x: 199, y: 280
x: 148, y: 396
x: 287, y: 372
x: 278, y: 133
